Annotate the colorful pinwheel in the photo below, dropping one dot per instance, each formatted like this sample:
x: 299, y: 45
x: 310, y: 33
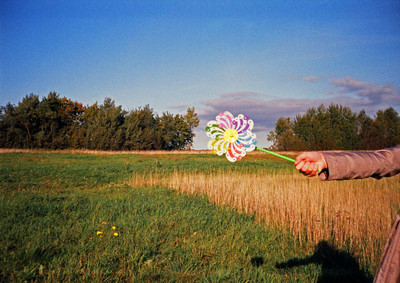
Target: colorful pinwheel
x: 233, y: 136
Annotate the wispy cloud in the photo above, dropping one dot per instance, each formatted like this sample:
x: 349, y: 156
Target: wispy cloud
x: 239, y: 94
x: 311, y: 79
x: 179, y: 106
x: 374, y: 94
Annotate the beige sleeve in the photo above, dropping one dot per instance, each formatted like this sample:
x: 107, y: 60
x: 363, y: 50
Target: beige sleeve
x: 389, y: 267
x: 358, y: 165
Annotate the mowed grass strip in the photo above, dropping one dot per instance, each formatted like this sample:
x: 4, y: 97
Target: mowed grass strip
x: 56, y: 171
x: 58, y: 211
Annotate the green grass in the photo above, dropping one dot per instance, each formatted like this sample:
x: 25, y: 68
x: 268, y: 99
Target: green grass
x: 53, y: 205
x: 30, y: 170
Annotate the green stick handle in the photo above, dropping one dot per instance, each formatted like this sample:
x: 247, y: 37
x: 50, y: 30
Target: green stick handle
x: 276, y: 154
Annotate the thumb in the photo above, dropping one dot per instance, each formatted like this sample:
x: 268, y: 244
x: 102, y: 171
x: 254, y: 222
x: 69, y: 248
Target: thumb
x: 320, y: 167
x: 322, y: 164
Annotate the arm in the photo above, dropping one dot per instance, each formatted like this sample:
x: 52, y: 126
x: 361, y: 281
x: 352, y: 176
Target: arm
x: 351, y: 165
x: 358, y: 165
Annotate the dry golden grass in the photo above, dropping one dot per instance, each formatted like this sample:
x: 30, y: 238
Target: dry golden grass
x: 357, y: 214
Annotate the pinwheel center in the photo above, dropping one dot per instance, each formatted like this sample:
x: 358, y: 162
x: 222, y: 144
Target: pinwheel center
x: 231, y: 135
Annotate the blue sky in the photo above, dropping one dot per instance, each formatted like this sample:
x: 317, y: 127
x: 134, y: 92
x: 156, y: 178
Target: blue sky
x: 265, y: 59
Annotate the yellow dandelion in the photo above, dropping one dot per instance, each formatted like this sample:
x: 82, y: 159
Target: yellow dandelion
x: 113, y: 227
x: 104, y: 223
x: 116, y: 234
x: 99, y: 233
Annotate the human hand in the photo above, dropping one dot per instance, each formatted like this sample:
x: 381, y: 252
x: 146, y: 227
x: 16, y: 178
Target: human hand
x: 310, y: 163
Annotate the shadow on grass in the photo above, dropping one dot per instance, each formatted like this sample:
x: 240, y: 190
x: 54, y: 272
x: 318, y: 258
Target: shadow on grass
x: 257, y: 261
x: 336, y: 266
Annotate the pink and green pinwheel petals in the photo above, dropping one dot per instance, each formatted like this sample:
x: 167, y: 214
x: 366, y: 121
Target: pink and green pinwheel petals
x: 231, y: 136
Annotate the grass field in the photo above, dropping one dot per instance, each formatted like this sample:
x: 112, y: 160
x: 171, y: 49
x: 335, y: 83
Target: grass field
x: 179, y: 217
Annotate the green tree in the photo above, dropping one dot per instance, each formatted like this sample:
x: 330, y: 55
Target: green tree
x: 193, y: 121
x: 343, y: 123
x: 72, y: 116
x: 283, y: 138
x: 12, y: 135
x: 88, y: 126
x: 171, y: 131
x: 102, y: 126
x: 323, y: 128
x: 142, y: 130
x: 386, y: 128
x: 319, y: 128
x: 49, y: 134
x: 304, y: 127
x: 365, y: 131
x: 27, y: 118
x: 58, y: 122
x: 176, y: 132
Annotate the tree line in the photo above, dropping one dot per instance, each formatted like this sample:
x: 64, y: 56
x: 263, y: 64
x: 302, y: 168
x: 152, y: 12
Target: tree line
x: 56, y: 122
x: 336, y: 128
